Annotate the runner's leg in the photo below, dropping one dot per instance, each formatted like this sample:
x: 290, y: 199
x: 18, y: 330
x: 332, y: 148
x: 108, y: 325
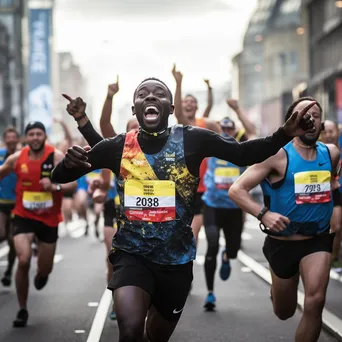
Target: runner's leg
x: 314, y: 269
x: 131, y: 306
x: 22, y: 243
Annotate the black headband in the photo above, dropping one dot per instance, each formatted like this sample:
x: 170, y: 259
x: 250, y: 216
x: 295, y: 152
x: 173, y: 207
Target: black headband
x: 35, y: 124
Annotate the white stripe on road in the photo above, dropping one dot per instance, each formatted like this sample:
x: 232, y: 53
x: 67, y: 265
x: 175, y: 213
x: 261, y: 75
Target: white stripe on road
x: 330, y: 321
x: 100, y: 317
x: 57, y: 258
x: 4, y: 251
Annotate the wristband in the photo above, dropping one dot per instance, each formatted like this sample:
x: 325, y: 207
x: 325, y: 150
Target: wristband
x: 263, y: 211
x: 58, y: 187
x: 81, y: 117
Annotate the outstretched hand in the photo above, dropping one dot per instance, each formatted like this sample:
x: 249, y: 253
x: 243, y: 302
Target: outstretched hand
x: 114, y: 87
x: 76, y: 157
x: 76, y: 107
x: 300, y: 123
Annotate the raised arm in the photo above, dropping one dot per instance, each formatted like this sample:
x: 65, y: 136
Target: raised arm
x: 8, y: 166
x: 247, y: 124
x: 106, y: 126
x: 181, y: 118
x: 67, y: 133
x: 76, y: 108
x: 210, y: 99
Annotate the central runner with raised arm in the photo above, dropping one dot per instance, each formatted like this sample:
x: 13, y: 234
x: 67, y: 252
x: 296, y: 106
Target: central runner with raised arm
x: 157, y: 177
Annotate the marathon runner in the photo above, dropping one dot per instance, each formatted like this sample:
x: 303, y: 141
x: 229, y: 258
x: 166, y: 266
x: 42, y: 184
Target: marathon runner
x: 220, y: 212
x: 157, y: 172
x: 185, y: 111
x: 330, y: 135
x: 297, y: 183
x: 7, y: 200
x: 37, y: 210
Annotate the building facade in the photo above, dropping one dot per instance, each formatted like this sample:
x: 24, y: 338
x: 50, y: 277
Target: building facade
x: 324, y: 26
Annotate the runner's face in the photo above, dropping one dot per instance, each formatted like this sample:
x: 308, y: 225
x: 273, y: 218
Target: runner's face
x: 35, y: 138
x: 11, y: 140
x: 189, y: 106
x: 152, y: 106
x: 311, y: 138
x: 330, y: 134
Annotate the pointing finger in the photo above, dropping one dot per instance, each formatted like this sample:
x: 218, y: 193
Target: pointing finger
x: 67, y: 97
x: 305, y: 109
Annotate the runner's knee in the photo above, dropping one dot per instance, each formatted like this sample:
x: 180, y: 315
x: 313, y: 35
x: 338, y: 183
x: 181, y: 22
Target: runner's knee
x: 131, y: 330
x: 313, y: 304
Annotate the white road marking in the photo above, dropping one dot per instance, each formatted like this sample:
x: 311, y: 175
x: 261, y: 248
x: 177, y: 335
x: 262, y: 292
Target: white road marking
x: 79, y: 331
x: 100, y: 317
x: 93, y: 304
x: 330, y: 321
x: 245, y: 269
x: 336, y: 276
x: 245, y: 236
x: 4, y: 251
x: 200, y: 260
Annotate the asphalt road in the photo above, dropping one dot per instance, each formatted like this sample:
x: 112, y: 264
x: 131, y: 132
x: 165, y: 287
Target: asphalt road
x: 74, y: 305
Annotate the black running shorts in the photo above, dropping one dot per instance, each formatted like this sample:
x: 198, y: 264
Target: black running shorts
x: 109, y: 213
x: 43, y: 232
x: 168, y: 285
x: 198, y: 205
x: 284, y: 256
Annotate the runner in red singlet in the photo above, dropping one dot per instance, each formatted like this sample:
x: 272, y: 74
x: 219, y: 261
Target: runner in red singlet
x: 37, y: 210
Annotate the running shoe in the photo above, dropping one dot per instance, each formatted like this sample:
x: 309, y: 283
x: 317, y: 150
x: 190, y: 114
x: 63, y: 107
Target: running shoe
x: 112, y: 316
x: 225, y: 268
x: 210, y: 302
x: 6, y: 279
x: 21, y: 319
x: 40, y: 281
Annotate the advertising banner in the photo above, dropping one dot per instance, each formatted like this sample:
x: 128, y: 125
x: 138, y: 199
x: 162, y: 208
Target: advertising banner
x: 40, y: 98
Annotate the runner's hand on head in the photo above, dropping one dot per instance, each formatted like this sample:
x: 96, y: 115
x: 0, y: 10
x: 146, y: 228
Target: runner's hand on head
x: 177, y: 75
x: 274, y: 221
x: 76, y: 107
x: 99, y: 196
x: 76, y: 157
x: 300, y: 123
x: 113, y: 88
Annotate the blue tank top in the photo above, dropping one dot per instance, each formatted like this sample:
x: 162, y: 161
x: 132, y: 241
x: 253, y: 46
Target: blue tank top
x: 82, y: 182
x: 219, y: 177
x: 112, y: 192
x: 7, y: 185
x: 304, y: 195
x: 156, y: 197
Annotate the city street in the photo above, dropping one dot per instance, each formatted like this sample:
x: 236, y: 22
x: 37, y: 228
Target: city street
x: 74, y: 306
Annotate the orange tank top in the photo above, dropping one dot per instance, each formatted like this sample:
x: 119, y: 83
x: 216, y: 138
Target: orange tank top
x: 32, y: 202
x: 200, y: 122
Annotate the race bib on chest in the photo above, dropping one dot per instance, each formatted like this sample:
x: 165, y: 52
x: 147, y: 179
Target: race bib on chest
x: 312, y: 187
x: 150, y: 200
x: 226, y: 176
x: 37, y: 200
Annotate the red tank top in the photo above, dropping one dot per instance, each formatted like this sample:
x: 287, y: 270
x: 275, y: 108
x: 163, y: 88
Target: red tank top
x: 200, y: 122
x: 32, y: 202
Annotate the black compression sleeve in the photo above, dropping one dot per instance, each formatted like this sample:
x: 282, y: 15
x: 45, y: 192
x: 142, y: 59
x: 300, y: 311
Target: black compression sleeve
x: 89, y: 133
x: 101, y: 156
x: 244, y: 153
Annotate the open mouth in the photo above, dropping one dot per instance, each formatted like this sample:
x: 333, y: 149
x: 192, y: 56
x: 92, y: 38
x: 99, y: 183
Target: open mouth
x: 151, y: 113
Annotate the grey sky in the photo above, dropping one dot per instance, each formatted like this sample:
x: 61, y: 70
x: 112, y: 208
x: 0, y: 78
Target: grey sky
x: 138, y: 39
